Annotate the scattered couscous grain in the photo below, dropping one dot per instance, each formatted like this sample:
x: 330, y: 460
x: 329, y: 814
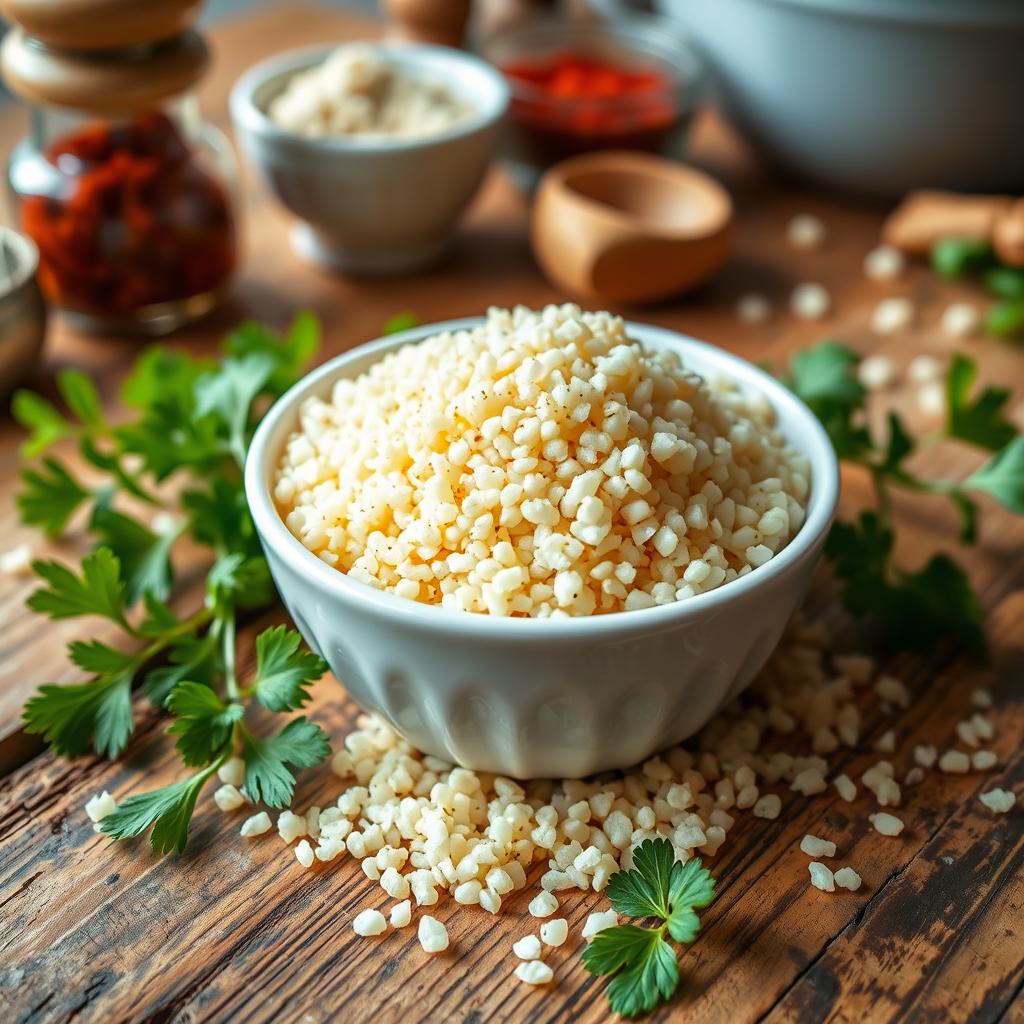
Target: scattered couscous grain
x: 805, y: 231
x: 892, y: 316
x: 876, y: 373
x: 960, y: 320
x: 291, y: 826
x: 304, y: 853
x: 98, y: 807
x: 822, y: 877
x: 884, y: 263
x: 886, y: 824
x: 983, y: 760
x: 257, y: 825
x: 847, y: 878
x: 598, y: 921
x: 17, y: 561
x: 554, y: 932
x: 432, y: 935
x: 227, y: 797
x: 931, y: 399
x: 544, y: 904
x: 955, y: 762
x: 845, y: 787
x: 813, y: 846
x: 534, y: 972
x: 924, y: 369
x: 999, y: 800
x: 401, y: 914
x: 369, y: 923
x: 925, y: 755
x: 232, y: 772
x: 753, y: 309
x: 527, y: 948
x: 810, y: 301
x: 768, y: 806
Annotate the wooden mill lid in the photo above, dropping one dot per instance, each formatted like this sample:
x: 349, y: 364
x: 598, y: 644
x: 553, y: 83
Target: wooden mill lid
x: 101, y: 24
x: 103, y: 81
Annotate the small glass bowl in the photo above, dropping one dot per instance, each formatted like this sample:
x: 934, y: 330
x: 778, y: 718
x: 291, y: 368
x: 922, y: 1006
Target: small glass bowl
x: 543, y: 129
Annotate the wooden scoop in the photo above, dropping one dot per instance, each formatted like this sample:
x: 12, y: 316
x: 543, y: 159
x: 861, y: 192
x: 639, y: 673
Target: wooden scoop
x: 626, y: 227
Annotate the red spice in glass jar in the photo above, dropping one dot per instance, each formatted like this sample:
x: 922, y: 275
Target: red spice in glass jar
x: 571, y: 103
x: 138, y: 221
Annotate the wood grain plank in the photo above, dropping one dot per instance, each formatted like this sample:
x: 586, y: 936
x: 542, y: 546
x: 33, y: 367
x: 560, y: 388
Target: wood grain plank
x: 111, y: 933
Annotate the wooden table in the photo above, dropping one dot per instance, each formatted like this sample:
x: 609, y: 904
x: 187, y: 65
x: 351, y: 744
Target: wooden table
x: 235, y: 930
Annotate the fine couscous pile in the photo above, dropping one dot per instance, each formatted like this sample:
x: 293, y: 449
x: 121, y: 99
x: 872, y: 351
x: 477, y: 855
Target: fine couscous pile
x: 357, y: 91
x: 542, y: 464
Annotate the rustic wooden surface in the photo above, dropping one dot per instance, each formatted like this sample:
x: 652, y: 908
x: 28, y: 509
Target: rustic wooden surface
x: 235, y: 930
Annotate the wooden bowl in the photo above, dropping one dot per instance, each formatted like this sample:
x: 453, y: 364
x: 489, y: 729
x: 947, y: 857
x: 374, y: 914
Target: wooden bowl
x: 629, y: 228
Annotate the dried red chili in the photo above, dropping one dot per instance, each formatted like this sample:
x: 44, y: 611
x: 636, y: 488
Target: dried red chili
x: 590, y: 96
x: 137, y: 220
x: 569, y: 103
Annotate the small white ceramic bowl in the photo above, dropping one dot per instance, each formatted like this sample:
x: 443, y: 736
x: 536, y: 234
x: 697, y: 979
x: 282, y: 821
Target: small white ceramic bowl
x: 373, y: 205
x: 536, y: 698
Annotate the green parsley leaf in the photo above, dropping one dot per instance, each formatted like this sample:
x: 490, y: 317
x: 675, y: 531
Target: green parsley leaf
x: 643, y: 966
x: 49, y: 497
x: 99, y: 658
x: 982, y: 421
x: 900, y: 445
x: 825, y: 377
x: 642, y: 963
x: 912, y: 610
x: 1003, y: 476
x: 827, y: 372
x: 191, y: 657
x: 42, y: 419
x: 78, y: 390
x: 244, y: 580
x: 300, y: 744
x: 229, y: 391
x: 283, y: 671
x: 643, y: 891
x: 289, y: 354
x: 168, y: 811
x: 145, y: 556
x: 71, y: 717
x: 692, y: 887
x: 98, y: 591
x: 169, y: 434
x: 204, y: 722
x: 401, y: 322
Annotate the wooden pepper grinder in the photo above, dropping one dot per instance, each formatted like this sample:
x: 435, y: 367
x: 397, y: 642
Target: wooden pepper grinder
x: 429, y: 21
x: 444, y: 21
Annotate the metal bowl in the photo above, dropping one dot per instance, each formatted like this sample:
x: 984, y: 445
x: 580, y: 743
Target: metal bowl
x: 22, y: 310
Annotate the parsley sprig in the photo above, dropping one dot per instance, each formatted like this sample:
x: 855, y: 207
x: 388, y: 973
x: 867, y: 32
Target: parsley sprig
x: 912, y: 609
x: 183, y: 446
x: 641, y: 961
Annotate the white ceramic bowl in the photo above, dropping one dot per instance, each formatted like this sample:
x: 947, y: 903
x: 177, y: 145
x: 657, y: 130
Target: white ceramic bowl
x: 877, y: 96
x: 373, y: 205
x: 536, y: 698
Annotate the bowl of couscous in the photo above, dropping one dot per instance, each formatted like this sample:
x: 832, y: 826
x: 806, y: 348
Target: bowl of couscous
x: 541, y: 544
x: 375, y: 149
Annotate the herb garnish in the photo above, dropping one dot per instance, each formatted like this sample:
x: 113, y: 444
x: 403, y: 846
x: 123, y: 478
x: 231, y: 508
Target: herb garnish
x: 641, y: 961
x: 912, y: 610
x: 194, y: 420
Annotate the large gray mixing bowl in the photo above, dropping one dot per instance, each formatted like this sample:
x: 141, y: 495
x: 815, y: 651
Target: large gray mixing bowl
x: 876, y: 96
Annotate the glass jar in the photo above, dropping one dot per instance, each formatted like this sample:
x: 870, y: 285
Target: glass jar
x: 127, y: 193
x: 132, y: 215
